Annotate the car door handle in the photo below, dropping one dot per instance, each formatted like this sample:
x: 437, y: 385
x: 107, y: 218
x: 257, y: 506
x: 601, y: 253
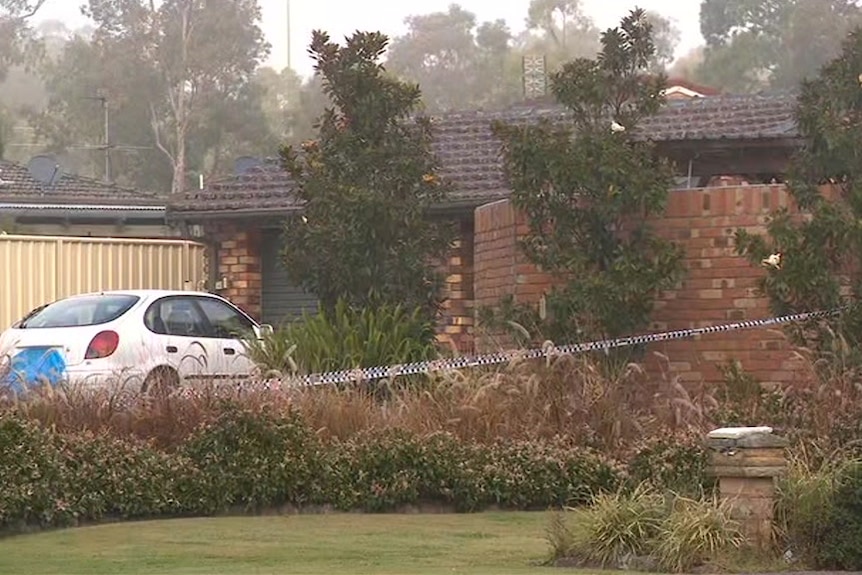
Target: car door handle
x: 171, y: 349
x: 229, y: 351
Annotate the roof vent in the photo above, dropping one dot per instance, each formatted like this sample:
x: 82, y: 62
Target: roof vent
x: 244, y: 164
x: 45, y: 169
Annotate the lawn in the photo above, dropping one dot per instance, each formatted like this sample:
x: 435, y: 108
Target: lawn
x: 485, y: 543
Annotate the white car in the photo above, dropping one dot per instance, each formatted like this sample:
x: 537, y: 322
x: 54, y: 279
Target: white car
x: 144, y: 338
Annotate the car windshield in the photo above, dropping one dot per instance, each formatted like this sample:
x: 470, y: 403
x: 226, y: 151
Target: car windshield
x: 80, y: 311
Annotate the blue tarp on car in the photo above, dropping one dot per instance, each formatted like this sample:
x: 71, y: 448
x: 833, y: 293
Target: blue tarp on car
x: 33, y: 367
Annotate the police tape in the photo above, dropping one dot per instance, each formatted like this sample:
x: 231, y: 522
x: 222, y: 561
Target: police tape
x: 500, y: 358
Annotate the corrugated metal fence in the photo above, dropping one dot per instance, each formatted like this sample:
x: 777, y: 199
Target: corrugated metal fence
x: 39, y: 269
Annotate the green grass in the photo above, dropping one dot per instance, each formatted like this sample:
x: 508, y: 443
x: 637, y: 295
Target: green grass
x: 486, y: 543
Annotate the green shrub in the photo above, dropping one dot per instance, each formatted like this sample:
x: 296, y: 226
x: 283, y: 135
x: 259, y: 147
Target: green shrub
x: 639, y: 528
x: 694, y: 532
x: 804, y: 504
x: 617, y: 526
x: 842, y: 547
x: 528, y: 475
x: 256, y: 459
x: 272, y: 353
x: 678, y: 463
x: 380, y: 471
x: 48, y: 479
x: 347, y: 338
x: 262, y: 458
x: 32, y: 486
x: 819, y: 513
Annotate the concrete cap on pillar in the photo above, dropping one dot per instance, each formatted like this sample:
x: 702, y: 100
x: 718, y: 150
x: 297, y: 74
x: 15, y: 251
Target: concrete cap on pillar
x: 744, y: 438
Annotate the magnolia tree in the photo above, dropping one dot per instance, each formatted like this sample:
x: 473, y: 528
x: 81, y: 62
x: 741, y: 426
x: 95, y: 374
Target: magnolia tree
x: 589, y: 191
x: 814, y: 262
x: 366, y: 185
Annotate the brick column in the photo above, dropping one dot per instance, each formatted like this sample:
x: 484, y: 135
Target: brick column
x: 747, y: 461
x: 456, y: 329
x: 500, y: 267
x: 239, y: 263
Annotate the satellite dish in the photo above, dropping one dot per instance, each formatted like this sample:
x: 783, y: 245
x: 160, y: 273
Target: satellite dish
x: 45, y: 169
x: 244, y: 164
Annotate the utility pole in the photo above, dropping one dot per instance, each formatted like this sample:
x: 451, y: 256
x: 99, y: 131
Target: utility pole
x: 288, y: 34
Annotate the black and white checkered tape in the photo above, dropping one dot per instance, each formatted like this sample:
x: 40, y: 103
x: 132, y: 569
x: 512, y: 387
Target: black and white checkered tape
x: 450, y: 364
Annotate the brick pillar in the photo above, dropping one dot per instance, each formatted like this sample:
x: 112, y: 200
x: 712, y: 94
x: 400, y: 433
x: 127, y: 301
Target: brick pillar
x: 500, y: 267
x: 747, y: 461
x: 456, y: 329
x: 239, y: 263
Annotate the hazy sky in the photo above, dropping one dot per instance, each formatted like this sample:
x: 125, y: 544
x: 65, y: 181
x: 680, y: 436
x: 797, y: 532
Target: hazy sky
x: 341, y: 17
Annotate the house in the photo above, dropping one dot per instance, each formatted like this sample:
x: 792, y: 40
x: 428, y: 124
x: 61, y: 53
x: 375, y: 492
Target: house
x: 749, y: 136
x: 680, y: 89
x: 39, y: 198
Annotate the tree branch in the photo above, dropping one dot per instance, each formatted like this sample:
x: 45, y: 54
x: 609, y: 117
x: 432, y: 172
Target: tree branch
x: 154, y: 122
x: 33, y: 9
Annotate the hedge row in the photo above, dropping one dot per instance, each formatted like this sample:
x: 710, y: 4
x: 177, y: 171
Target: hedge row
x: 258, y: 460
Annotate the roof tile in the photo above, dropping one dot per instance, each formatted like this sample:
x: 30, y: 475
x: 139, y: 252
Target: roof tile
x: 469, y: 153
x: 17, y: 185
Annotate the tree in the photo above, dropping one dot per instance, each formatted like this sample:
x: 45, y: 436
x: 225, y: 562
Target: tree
x: 457, y: 62
x: 17, y: 45
x: 688, y: 65
x: 71, y: 125
x: 819, y: 254
x: 588, y: 193
x: 177, y: 115
x: 193, y: 50
x: 666, y: 37
x: 5, y: 136
x: 366, y: 185
x: 752, y: 44
x: 560, y: 31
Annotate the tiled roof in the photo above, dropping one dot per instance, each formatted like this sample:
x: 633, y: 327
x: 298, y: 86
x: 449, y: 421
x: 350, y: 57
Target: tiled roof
x: 18, y: 186
x: 469, y: 153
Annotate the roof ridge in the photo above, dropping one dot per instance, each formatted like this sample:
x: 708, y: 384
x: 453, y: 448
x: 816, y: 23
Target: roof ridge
x: 468, y: 152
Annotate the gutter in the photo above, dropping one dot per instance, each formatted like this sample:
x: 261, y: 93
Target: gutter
x: 65, y: 211
x: 448, y: 208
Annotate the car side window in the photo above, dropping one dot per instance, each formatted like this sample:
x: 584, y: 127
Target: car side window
x: 226, y: 322
x: 177, y: 316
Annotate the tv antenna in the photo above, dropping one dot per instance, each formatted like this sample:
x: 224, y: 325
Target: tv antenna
x: 106, y: 146
x: 106, y: 143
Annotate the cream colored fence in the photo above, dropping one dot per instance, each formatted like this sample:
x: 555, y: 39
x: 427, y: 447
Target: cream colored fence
x: 40, y: 269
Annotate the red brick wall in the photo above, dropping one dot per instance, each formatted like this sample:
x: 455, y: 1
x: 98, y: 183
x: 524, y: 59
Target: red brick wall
x: 238, y: 256
x: 456, y: 325
x: 238, y: 261
x: 719, y: 286
x: 500, y: 267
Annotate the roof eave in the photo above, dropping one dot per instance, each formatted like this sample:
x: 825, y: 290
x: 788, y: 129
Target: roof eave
x: 780, y: 141
x: 72, y: 212
x: 453, y: 207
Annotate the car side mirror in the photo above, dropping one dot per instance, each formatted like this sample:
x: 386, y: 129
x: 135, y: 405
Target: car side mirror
x: 264, y: 330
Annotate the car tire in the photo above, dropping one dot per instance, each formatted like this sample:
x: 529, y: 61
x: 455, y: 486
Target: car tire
x: 161, y: 381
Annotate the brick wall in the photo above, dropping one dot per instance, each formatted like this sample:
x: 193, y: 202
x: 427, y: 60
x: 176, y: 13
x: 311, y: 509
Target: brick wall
x: 238, y: 256
x: 456, y: 326
x: 719, y: 286
x: 500, y: 267
x: 238, y: 260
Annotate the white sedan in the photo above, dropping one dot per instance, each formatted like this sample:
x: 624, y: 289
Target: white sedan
x: 143, y: 338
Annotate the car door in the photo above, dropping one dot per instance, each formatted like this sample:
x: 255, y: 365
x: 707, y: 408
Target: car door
x: 181, y: 335
x: 228, y: 326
